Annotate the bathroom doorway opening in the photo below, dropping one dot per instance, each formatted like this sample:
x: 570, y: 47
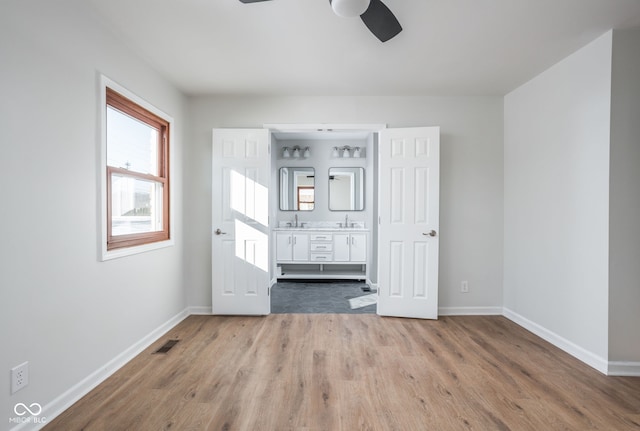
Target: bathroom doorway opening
x: 323, y: 297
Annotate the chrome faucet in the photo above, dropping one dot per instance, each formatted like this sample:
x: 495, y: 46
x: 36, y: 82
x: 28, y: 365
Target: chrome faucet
x: 346, y: 220
x: 295, y: 218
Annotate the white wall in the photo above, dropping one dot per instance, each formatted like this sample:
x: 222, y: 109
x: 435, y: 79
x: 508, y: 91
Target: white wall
x: 63, y: 310
x: 471, y: 177
x: 321, y: 161
x: 556, y: 196
x: 624, y: 270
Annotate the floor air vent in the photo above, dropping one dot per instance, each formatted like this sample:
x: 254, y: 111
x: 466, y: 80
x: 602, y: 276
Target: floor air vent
x: 167, y: 346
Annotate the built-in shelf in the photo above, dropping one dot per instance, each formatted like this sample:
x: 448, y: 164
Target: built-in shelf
x: 323, y: 271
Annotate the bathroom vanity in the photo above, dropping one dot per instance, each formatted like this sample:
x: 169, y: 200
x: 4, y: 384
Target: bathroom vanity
x: 312, y: 189
x: 321, y: 252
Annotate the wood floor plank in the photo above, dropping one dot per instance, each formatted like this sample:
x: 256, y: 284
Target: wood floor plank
x: 304, y: 372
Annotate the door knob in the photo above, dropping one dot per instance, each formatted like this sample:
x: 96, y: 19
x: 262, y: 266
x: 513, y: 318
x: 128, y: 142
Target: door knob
x: 219, y: 232
x: 432, y: 233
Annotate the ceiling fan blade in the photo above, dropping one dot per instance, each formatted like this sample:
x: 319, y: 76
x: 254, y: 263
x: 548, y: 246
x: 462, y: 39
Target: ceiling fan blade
x: 381, y: 21
x: 252, y: 1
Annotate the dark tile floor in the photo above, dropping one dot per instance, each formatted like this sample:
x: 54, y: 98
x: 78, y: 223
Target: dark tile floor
x: 318, y: 297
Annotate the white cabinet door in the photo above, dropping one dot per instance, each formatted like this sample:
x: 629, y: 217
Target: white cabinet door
x: 408, y: 239
x: 358, y: 247
x: 341, y: 247
x: 284, y: 247
x: 300, y: 247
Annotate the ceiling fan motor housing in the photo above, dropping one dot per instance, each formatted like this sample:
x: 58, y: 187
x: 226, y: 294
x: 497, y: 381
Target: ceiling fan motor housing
x: 349, y: 8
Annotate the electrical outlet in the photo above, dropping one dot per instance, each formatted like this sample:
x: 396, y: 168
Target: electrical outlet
x: 19, y: 377
x: 464, y: 288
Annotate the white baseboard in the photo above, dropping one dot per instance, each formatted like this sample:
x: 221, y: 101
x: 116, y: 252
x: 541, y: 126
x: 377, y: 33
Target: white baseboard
x: 470, y: 311
x: 68, y: 398
x: 71, y: 396
x: 573, y: 349
x: 626, y: 369
x: 199, y: 310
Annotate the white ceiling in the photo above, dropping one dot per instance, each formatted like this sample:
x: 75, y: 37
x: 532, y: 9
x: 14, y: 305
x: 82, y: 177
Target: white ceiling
x: 299, y: 47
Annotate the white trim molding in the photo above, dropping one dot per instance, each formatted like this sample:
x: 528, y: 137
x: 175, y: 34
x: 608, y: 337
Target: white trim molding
x: 80, y: 389
x: 199, y: 310
x: 71, y: 396
x: 623, y: 369
x: 571, y: 348
x: 325, y: 127
x: 469, y: 311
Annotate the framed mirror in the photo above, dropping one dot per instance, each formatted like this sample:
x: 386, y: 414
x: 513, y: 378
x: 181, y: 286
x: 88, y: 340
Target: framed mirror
x: 346, y: 189
x: 297, y: 189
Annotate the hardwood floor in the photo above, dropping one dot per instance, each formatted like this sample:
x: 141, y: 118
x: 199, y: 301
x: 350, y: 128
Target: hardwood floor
x: 355, y: 372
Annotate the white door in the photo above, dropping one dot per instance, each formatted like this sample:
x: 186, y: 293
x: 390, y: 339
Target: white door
x: 408, y: 234
x: 240, y: 216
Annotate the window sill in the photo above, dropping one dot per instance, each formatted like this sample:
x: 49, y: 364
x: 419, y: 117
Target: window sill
x: 129, y: 251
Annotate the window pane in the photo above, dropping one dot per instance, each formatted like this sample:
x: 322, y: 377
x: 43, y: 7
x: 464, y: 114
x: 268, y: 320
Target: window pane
x: 131, y: 144
x: 136, y: 205
x: 306, y: 198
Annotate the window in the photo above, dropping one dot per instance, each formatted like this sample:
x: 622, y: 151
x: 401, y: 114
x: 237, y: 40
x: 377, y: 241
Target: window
x: 306, y: 198
x: 137, y: 158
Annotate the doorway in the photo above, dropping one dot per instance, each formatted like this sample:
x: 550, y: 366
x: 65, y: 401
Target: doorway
x: 323, y: 297
x: 396, y: 232
x: 343, y: 190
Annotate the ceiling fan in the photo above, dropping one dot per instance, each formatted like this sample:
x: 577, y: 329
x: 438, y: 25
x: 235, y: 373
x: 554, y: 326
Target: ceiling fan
x: 375, y: 15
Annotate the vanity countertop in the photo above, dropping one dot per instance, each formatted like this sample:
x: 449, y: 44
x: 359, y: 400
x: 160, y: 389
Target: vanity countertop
x: 323, y: 229
x: 322, y: 226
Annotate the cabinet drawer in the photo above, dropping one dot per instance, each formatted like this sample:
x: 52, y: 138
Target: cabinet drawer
x: 321, y: 246
x: 321, y: 257
x: 321, y: 237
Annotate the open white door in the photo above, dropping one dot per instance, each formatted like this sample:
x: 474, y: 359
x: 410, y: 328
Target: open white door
x: 240, y: 216
x: 409, y: 184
